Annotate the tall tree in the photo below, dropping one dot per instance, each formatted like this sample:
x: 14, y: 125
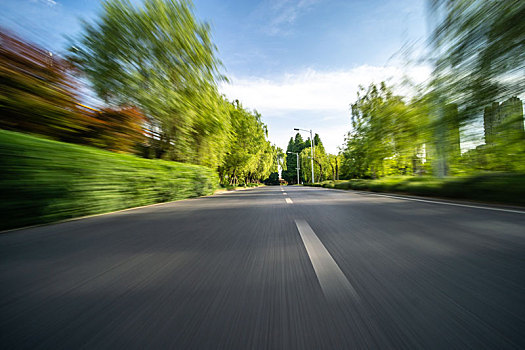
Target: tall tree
x: 387, y: 134
x: 478, y: 51
x: 478, y: 48
x: 295, y: 145
x: 250, y: 156
x: 38, y: 94
x: 158, y: 57
x: 321, y: 161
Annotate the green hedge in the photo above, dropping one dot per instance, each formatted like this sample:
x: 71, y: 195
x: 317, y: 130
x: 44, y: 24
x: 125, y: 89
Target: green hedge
x: 233, y: 188
x: 43, y: 181
x: 491, y: 187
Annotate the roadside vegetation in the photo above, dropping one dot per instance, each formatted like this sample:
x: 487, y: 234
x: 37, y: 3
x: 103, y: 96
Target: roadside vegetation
x: 459, y: 135
x: 153, y: 73
x: 45, y: 180
x: 135, y: 99
x: 467, y: 120
x: 503, y: 188
x: 140, y: 81
x: 326, y: 166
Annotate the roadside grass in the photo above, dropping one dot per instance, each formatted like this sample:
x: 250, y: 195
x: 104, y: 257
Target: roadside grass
x: 240, y: 187
x: 505, y: 188
x: 44, y: 181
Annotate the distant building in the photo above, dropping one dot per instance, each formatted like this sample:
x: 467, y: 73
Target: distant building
x: 453, y: 139
x: 504, y: 122
x: 511, y: 112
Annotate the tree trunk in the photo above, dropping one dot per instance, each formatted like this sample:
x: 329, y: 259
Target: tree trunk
x: 233, y: 179
x: 320, y: 170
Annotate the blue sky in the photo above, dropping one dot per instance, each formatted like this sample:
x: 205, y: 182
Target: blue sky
x: 298, y: 62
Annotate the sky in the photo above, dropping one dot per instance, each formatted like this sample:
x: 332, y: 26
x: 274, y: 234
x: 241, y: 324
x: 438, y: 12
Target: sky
x: 297, y: 62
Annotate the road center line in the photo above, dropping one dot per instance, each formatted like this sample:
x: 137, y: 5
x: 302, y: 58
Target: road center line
x: 333, y: 282
x: 288, y: 200
x: 285, y: 193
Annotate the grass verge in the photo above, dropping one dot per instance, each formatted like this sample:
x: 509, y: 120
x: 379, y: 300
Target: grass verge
x: 505, y: 188
x: 44, y: 181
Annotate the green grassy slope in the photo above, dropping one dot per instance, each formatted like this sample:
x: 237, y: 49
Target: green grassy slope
x: 43, y: 181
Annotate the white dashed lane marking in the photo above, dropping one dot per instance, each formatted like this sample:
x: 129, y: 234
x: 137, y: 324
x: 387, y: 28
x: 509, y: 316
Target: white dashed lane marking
x: 333, y: 282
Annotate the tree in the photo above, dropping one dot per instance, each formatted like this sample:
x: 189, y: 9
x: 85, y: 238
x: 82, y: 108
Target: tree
x: 273, y: 179
x: 118, y: 130
x: 250, y: 156
x: 335, y: 165
x: 38, y: 93
x: 321, y: 160
x: 479, y: 50
x: 387, y: 135
x: 160, y: 58
x: 295, y: 145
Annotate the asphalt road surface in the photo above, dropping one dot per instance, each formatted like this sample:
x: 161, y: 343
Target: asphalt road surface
x: 269, y: 268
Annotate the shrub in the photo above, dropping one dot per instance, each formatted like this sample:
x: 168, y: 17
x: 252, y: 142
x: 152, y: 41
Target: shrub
x: 506, y: 188
x: 43, y: 181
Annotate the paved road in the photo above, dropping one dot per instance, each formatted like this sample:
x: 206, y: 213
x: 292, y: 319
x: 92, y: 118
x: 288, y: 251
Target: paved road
x: 302, y: 268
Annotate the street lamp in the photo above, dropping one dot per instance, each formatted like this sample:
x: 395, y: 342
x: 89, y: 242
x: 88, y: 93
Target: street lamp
x: 311, y: 148
x: 297, y: 155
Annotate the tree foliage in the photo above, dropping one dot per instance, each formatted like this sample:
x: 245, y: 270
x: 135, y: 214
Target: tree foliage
x: 295, y: 146
x: 323, y: 162
x: 391, y: 136
x: 478, y: 53
x: 250, y: 157
x: 37, y: 94
x: 160, y: 58
x: 387, y: 134
x: 118, y: 130
x: 478, y: 48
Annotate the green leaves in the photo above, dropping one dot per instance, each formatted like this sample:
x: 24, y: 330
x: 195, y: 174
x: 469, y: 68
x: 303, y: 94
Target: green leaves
x: 387, y: 134
x: 160, y: 58
x: 250, y: 157
x: 479, y: 50
x: 45, y: 181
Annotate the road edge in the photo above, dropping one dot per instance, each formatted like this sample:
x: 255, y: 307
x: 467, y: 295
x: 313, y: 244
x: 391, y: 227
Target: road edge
x: 217, y: 191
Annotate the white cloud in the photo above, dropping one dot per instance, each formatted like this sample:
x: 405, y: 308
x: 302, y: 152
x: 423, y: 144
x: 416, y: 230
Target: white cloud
x: 49, y: 3
x: 283, y: 13
x: 313, y: 90
x: 313, y: 99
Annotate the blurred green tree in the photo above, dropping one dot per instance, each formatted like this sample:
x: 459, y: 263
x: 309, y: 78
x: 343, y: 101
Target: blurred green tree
x: 388, y: 135
x: 478, y: 47
x: 160, y: 58
x: 478, y: 52
x: 322, y: 165
x: 250, y: 156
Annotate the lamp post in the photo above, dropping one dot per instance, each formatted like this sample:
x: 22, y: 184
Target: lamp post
x: 297, y: 157
x: 311, y: 148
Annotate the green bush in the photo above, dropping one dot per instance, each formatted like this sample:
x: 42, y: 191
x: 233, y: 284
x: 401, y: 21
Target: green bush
x: 506, y: 188
x: 233, y: 188
x: 43, y: 181
x: 313, y: 185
